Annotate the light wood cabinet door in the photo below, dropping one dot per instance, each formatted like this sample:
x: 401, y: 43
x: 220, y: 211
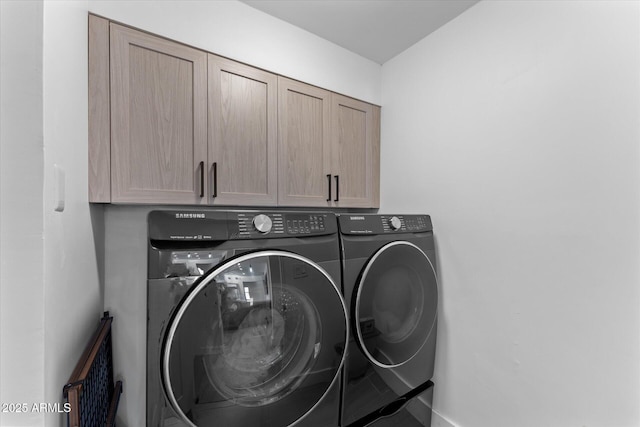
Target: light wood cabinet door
x: 99, y: 112
x: 243, y: 104
x: 304, y: 156
x: 158, y: 120
x: 355, y: 157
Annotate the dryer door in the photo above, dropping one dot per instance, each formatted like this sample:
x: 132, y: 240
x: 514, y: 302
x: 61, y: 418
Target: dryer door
x: 396, y: 304
x: 257, y: 341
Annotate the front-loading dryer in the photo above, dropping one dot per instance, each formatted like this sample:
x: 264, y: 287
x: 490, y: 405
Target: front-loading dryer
x: 391, y: 290
x: 246, y: 322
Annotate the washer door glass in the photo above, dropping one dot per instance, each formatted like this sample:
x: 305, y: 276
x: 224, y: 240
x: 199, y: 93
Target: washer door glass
x: 262, y: 330
x: 396, y: 304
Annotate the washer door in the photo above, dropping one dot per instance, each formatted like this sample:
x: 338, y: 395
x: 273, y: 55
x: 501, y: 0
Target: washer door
x: 396, y: 304
x: 256, y: 341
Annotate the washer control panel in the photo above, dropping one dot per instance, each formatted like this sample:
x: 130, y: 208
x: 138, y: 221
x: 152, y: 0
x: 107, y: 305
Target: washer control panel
x: 202, y: 226
x: 282, y: 224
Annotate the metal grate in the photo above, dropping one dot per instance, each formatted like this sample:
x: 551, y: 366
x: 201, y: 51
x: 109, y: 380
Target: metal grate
x: 90, y: 391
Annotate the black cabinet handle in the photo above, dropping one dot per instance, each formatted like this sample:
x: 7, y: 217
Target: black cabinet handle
x: 201, y: 179
x: 215, y: 179
x: 337, y: 188
x: 329, y: 183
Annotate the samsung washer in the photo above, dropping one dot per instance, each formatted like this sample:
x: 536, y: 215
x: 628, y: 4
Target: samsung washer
x: 246, y: 322
x: 391, y: 289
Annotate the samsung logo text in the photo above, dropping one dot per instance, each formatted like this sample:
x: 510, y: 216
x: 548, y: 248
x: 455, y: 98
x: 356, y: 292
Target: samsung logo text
x: 190, y: 216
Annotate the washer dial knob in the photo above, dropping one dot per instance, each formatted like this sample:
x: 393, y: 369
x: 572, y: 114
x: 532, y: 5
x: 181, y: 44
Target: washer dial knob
x: 395, y: 223
x: 262, y: 223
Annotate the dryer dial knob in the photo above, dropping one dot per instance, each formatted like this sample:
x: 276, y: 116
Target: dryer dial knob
x: 395, y: 223
x: 262, y: 223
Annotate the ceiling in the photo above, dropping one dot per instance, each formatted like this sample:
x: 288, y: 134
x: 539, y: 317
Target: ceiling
x: 375, y: 29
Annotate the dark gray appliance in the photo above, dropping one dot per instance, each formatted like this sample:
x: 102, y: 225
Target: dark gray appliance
x: 246, y: 322
x: 391, y: 289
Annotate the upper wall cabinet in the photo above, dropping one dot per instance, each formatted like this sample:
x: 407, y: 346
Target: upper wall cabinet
x: 158, y: 119
x: 170, y: 124
x: 243, y: 104
x: 304, y: 163
x: 355, y: 152
x: 328, y: 148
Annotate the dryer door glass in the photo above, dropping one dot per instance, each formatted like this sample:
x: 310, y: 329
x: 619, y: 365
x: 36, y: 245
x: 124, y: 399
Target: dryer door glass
x: 396, y: 304
x: 257, y: 341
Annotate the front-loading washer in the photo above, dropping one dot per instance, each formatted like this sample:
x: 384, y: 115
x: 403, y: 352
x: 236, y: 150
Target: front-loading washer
x: 391, y: 290
x: 246, y: 322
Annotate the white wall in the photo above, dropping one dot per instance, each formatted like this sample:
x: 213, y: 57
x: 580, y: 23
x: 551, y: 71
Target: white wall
x: 237, y: 31
x: 72, y: 289
x: 518, y: 125
x: 51, y: 297
x: 21, y: 216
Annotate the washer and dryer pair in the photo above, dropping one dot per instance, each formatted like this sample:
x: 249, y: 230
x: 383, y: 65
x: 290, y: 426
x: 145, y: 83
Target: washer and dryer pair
x: 275, y: 319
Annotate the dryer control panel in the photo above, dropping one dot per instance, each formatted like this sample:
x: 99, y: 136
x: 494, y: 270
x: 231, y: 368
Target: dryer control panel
x: 384, y: 224
x: 410, y: 223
